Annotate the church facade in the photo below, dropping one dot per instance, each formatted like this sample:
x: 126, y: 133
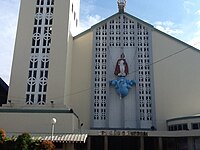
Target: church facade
x: 122, y: 78
x: 120, y: 42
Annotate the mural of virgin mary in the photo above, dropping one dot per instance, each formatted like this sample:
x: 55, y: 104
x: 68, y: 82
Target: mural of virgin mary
x: 121, y: 68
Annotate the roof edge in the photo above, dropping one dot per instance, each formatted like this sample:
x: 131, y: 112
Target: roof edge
x: 139, y: 20
x: 104, y: 20
x: 170, y: 36
x: 82, y: 33
x: 125, y: 13
x: 17, y: 110
x: 182, y: 118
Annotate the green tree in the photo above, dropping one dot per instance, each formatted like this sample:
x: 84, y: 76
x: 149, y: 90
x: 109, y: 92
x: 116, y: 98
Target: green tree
x: 35, y: 145
x: 23, y: 142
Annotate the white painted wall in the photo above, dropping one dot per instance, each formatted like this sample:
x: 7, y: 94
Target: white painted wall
x: 37, y: 123
x: 176, y: 79
x: 21, y: 57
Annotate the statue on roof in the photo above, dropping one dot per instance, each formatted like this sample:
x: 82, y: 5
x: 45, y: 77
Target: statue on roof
x: 121, y: 5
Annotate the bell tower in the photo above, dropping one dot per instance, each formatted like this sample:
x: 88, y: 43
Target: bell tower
x: 43, y: 49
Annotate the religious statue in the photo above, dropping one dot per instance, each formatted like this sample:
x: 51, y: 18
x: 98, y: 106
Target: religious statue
x: 121, y: 84
x: 121, y: 5
x: 121, y: 1
x: 121, y: 68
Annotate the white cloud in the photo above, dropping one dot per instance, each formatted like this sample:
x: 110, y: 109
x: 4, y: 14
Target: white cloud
x: 88, y: 18
x: 198, y: 24
x: 188, y: 6
x: 197, y: 33
x: 198, y: 12
x: 89, y: 21
x: 168, y: 27
x: 87, y: 7
x: 195, y: 42
x: 165, y: 23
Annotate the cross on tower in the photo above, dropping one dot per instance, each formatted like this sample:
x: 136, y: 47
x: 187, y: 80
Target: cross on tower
x: 121, y: 5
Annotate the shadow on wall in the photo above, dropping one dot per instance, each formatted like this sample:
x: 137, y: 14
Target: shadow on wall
x: 3, y: 92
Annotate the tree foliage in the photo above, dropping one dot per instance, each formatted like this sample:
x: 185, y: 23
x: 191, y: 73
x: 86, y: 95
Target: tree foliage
x: 23, y: 142
x: 47, y: 145
x: 2, y: 135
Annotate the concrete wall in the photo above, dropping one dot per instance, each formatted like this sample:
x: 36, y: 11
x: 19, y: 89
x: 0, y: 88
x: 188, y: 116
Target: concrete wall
x: 21, y: 56
x: 81, y: 77
x: 59, y: 51
x: 37, y: 122
x: 176, y: 78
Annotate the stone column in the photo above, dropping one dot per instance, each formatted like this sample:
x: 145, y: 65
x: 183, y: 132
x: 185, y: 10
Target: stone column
x: 160, y: 143
x: 190, y: 143
x: 89, y: 143
x: 105, y: 142
x: 141, y: 143
x: 69, y: 146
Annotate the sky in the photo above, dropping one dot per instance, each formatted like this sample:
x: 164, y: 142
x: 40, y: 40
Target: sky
x: 178, y: 18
